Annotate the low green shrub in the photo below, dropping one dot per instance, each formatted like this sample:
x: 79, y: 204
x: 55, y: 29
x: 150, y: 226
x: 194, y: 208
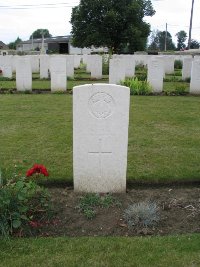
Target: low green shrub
x: 178, y: 64
x: 90, y: 201
x: 141, y: 72
x: 179, y: 89
x: 6, y: 79
x: 172, y: 78
x: 137, y: 87
x: 105, y: 70
x: 141, y: 76
x: 140, y: 67
x: 143, y: 214
x: 178, y: 72
x: 24, y: 205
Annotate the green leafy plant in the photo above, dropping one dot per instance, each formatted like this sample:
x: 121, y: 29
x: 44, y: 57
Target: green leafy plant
x: 137, y: 87
x: 90, y: 201
x: 142, y: 214
x: 23, y: 205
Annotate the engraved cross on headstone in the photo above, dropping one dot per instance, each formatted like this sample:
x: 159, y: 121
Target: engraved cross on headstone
x: 100, y: 153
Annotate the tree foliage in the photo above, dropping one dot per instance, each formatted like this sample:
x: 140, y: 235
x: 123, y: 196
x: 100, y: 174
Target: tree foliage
x: 115, y: 24
x: 13, y: 45
x: 157, y: 41
x: 181, y: 39
x: 38, y: 34
x: 194, y: 44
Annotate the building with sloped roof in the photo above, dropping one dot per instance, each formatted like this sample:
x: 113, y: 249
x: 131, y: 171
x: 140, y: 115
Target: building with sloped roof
x: 3, y: 46
x: 58, y: 44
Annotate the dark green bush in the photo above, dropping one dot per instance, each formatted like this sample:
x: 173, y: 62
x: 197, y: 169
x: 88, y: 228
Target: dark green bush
x: 141, y: 76
x: 105, y: 69
x: 178, y: 64
x: 6, y: 79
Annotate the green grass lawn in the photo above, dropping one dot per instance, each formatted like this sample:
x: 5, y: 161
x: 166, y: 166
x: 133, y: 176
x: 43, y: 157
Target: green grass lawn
x: 46, y: 84
x: 171, y: 251
x: 163, y: 144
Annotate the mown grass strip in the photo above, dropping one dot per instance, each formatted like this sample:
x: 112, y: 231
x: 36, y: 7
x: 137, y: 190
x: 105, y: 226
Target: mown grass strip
x: 173, y: 251
x: 163, y: 145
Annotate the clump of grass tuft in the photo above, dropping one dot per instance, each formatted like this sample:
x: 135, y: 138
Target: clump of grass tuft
x: 90, y: 201
x: 142, y: 214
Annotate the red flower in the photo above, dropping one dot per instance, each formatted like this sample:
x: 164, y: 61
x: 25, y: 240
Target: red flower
x: 38, y: 169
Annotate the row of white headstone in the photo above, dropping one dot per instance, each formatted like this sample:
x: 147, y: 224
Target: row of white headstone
x: 120, y: 66
x: 158, y: 67
x: 190, y: 69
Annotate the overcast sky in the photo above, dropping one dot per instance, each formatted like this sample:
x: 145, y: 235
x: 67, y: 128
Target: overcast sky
x: 22, y: 17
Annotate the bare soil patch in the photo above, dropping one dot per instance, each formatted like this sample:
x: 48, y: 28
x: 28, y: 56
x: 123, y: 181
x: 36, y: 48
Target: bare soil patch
x: 179, y: 213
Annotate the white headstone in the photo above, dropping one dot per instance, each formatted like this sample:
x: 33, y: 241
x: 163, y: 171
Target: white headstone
x: 6, y: 65
x: 84, y: 57
x: 155, y: 74
x: 44, y: 66
x: 195, y: 78
x: 129, y: 65
x: 169, y: 64
x: 100, y: 137
x: 14, y: 62
x: 35, y: 63
x: 96, y: 67
x: 116, y: 70
x: 23, y: 74
x: 70, y: 66
x: 88, y: 63
x: 186, y: 69
x: 58, y: 73
x: 77, y: 61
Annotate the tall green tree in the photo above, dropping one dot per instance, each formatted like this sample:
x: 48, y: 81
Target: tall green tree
x: 38, y: 34
x: 13, y: 45
x: 157, y: 41
x: 181, y: 39
x: 115, y: 24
